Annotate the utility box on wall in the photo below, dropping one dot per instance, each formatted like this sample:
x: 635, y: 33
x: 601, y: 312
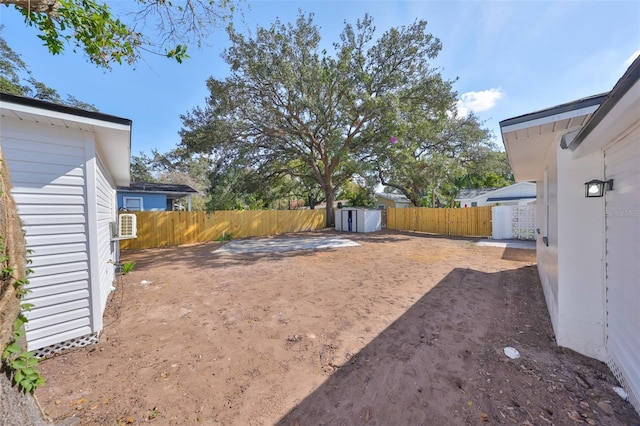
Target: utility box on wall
x: 358, y: 220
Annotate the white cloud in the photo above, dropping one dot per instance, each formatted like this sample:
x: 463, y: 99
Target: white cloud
x: 478, y: 101
x: 632, y: 58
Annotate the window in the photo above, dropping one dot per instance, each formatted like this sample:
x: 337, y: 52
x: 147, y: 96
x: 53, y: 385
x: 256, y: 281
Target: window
x: 474, y: 204
x: 132, y: 204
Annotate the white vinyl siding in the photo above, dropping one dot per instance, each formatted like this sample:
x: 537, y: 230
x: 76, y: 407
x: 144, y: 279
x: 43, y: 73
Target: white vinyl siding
x: 47, y: 171
x: 106, y: 207
x: 622, y: 164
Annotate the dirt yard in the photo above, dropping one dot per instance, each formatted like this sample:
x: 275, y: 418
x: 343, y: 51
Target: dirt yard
x: 404, y: 329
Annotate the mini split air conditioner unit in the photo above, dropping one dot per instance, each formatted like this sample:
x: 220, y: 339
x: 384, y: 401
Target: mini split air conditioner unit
x: 125, y: 228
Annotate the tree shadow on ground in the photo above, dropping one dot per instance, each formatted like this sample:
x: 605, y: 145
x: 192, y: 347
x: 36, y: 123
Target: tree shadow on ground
x: 442, y: 362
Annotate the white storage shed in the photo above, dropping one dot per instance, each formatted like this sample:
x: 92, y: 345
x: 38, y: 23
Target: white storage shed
x: 64, y: 165
x: 358, y: 220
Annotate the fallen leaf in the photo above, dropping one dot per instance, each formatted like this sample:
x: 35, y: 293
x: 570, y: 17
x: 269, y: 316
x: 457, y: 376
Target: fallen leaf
x: 484, y: 417
x: 606, y: 407
x: 575, y: 416
x: 367, y: 416
x: 78, y: 401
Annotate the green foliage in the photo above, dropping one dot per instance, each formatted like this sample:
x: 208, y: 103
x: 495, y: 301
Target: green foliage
x: 290, y: 108
x: 226, y: 236
x: 357, y: 196
x: 16, y: 79
x: 428, y: 165
x: 22, y: 363
x: 140, y: 168
x: 90, y: 26
x: 127, y: 267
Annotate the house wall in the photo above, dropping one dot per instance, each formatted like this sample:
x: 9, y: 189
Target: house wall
x: 151, y: 202
x: 521, y: 189
x: 103, y: 250
x: 47, y: 166
x: 581, y: 293
x: 547, y: 223
x: 391, y: 203
x: 385, y: 202
x: 622, y: 216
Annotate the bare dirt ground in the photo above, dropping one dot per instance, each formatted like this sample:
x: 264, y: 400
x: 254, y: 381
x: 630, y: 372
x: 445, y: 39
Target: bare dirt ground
x: 405, y: 329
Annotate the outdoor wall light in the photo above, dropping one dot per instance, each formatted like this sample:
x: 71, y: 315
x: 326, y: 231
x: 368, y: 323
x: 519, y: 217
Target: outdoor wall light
x: 596, y: 188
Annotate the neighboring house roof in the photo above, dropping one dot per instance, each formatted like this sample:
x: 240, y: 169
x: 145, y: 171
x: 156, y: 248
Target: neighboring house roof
x: 497, y: 194
x: 398, y: 198
x: 158, y: 188
x: 112, y: 134
x: 524, y: 197
x: 467, y: 194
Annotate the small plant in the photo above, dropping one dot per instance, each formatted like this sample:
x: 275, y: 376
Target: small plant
x: 154, y: 413
x: 127, y: 267
x: 225, y: 236
x: 22, y: 363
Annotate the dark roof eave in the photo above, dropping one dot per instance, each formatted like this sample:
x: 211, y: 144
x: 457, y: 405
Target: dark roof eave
x: 558, y: 109
x: 526, y: 197
x: 50, y: 106
x: 630, y: 77
x: 138, y: 191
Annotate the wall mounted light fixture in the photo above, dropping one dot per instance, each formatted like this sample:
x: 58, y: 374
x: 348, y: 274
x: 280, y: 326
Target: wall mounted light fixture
x: 596, y: 188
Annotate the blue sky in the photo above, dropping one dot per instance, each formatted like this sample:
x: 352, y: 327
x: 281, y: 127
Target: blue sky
x: 511, y: 58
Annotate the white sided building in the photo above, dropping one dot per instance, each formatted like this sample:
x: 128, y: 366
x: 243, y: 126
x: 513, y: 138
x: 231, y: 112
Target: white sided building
x: 64, y: 165
x: 585, y: 158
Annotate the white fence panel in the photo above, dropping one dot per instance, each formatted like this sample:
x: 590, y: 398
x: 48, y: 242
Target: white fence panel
x: 524, y: 222
x: 513, y: 222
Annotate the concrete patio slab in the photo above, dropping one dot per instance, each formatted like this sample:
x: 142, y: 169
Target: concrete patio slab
x: 518, y: 244
x: 270, y: 245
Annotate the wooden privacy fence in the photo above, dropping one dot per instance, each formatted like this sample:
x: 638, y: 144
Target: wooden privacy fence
x: 163, y: 229
x: 470, y: 222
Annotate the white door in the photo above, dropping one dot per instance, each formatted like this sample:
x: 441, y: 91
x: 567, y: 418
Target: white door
x: 622, y: 220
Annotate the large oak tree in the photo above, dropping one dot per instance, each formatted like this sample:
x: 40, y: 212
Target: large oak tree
x: 290, y: 107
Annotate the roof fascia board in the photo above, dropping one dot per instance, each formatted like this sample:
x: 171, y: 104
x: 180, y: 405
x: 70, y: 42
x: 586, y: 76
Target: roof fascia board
x: 139, y: 191
x: 524, y: 197
x: 559, y: 109
x: 36, y: 106
x: 66, y: 116
x: 548, y: 119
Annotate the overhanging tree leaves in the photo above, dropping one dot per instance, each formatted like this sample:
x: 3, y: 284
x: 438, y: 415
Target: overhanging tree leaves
x: 432, y: 158
x: 91, y: 26
x: 288, y: 107
x: 16, y: 79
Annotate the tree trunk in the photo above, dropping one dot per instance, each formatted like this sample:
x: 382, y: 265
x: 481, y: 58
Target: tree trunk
x: 330, y: 200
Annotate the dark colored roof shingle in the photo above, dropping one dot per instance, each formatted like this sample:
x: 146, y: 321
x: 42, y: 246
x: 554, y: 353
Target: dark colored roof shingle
x: 157, y: 187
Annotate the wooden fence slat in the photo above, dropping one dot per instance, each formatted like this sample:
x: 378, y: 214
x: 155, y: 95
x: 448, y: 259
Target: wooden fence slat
x: 470, y: 222
x: 163, y: 229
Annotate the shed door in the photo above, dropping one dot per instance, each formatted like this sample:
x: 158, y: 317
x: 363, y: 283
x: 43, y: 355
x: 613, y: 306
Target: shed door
x: 622, y: 204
